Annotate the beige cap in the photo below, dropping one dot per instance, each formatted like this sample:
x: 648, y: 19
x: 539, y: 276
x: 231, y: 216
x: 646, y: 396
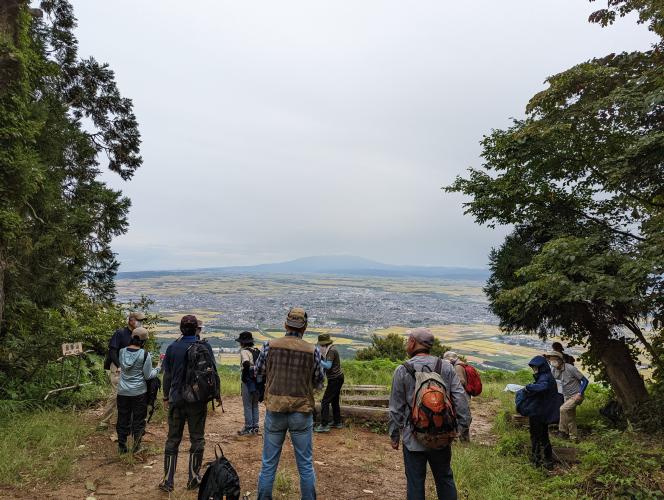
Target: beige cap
x: 138, y: 315
x: 451, y: 356
x: 141, y: 333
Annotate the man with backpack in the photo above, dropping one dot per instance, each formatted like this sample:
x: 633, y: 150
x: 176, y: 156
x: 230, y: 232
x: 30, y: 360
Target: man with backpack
x: 427, y: 405
x: 472, y: 385
x: 136, y: 370
x: 293, y: 370
x: 249, y: 385
x: 119, y: 340
x: 190, y: 382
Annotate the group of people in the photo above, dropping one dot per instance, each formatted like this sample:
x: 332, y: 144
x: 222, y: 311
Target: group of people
x: 285, y: 373
x: 558, y: 389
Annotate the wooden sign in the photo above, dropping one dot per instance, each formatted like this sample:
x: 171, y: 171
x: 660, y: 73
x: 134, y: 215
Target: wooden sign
x: 72, y: 349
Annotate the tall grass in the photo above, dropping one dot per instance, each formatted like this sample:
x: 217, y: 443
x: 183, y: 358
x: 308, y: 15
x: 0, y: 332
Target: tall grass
x: 40, y: 446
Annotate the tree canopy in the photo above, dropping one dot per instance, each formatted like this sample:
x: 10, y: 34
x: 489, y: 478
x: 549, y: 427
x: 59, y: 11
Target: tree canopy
x: 62, y: 121
x: 581, y: 180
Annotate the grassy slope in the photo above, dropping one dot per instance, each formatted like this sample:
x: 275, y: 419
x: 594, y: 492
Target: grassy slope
x: 37, y: 446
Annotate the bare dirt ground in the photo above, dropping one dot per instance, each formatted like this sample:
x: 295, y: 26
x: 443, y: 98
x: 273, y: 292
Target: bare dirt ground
x: 350, y: 463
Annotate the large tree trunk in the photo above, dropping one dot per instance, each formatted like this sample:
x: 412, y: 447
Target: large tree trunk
x: 621, y: 372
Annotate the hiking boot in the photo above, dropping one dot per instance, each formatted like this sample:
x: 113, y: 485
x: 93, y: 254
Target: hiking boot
x: 338, y: 425
x: 194, y: 483
x: 170, y: 463
x: 255, y: 430
x: 122, y: 449
x: 246, y: 431
x: 322, y: 428
x: 137, y: 448
x: 164, y: 486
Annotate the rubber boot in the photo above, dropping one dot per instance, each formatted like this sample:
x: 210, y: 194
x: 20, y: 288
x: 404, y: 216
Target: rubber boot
x: 170, y: 463
x: 122, y: 445
x: 136, y: 447
x: 195, y: 462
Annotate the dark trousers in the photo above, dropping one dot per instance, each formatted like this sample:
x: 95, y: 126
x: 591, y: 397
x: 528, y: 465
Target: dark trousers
x: 331, y: 396
x: 415, y: 463
x: 132, y: 412
x: 194, y: 415
x: 539, y: 439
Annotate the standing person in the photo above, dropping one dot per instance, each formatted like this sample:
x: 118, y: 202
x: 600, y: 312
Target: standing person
x: 558, y: 347
x: 459, y: 368
x: 119, y: 340
x: 249, y: 387
x: 335, y: 380
x: 136, y: 368
x: 540, y: 405
x: 293, y: 369
x: 415, y: 454
x: 574, y: 385
x: 177, y: 396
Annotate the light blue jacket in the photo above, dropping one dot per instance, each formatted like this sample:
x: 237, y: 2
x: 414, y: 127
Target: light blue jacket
x: 134, y: 372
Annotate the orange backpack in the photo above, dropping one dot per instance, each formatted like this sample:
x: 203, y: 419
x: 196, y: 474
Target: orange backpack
x: 432, y: 416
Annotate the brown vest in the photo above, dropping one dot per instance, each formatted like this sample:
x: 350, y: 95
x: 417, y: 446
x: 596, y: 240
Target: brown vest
x: 289, y: 385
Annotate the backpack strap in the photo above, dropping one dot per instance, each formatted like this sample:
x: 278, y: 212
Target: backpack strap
x: 221, y: 451
x: 409, y: 368
x: 439, y: 367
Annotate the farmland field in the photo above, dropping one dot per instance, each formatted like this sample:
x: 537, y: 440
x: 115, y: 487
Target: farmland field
x: 350, y: 308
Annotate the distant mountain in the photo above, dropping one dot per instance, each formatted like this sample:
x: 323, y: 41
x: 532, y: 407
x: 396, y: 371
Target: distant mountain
x: 331, y: 264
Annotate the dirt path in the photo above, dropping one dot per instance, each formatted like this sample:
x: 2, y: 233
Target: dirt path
x: 348, y: 461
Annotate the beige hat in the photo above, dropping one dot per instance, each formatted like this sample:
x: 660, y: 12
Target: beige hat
x: 141, y: 333
x: 451, y: 356
x: 138, y: 315
x: 555, y: 354
x: 297, y: 318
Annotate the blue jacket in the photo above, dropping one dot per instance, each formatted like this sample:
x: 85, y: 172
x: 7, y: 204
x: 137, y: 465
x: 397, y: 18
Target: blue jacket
x: 540, y: 399
x: 175, y: 368
x: 135, y: 371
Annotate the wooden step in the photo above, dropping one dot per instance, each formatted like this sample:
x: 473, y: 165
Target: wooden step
x: 370, y: 413
x: 363, y: 389
x: 367, y: 400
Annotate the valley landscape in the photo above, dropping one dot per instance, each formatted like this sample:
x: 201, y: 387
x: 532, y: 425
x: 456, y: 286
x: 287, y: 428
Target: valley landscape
x: 350, y: 301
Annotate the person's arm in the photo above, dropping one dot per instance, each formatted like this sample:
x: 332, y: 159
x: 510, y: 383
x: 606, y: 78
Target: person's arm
x: 318, y: 376
x: 113, y: 353
x: 583, y: 381
x: 458, y: 396
x: 398, y: 406
x: 168, y: 373
x: 261, y: 362
x: 540, y: 385
x: 148, y: 371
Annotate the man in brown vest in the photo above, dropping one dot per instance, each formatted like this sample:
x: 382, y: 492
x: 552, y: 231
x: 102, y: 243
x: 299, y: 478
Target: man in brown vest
x: 292, y: 370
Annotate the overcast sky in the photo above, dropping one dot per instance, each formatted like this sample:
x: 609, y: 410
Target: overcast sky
x: 280, y: 129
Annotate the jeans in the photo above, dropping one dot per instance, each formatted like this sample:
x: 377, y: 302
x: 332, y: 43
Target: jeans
x: 132, y: 412
x: 415, y: 463
x: 331, y: 396
x: 300, y: 426
x: 539, y: 439
x: 250, y: 405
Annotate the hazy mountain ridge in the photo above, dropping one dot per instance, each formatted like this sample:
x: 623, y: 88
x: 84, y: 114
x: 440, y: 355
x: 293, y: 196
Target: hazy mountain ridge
x: 339, y: 265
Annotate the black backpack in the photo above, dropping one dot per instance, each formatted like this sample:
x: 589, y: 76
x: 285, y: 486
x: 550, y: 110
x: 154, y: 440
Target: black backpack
x: 201, y: 379
x: 154, y: 385
x: 220, y: 480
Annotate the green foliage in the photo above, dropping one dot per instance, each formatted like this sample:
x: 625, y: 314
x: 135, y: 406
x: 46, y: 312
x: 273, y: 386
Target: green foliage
x: 581, y: 180
x: 392, y: 347
x: 39, y: 446
x: 373, y: 372
x: 58, y: 115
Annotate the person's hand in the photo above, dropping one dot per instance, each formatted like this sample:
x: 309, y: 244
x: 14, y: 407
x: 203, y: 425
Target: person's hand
x: 165, y: 404
x: 395, y: 445
x: 579, y: 398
